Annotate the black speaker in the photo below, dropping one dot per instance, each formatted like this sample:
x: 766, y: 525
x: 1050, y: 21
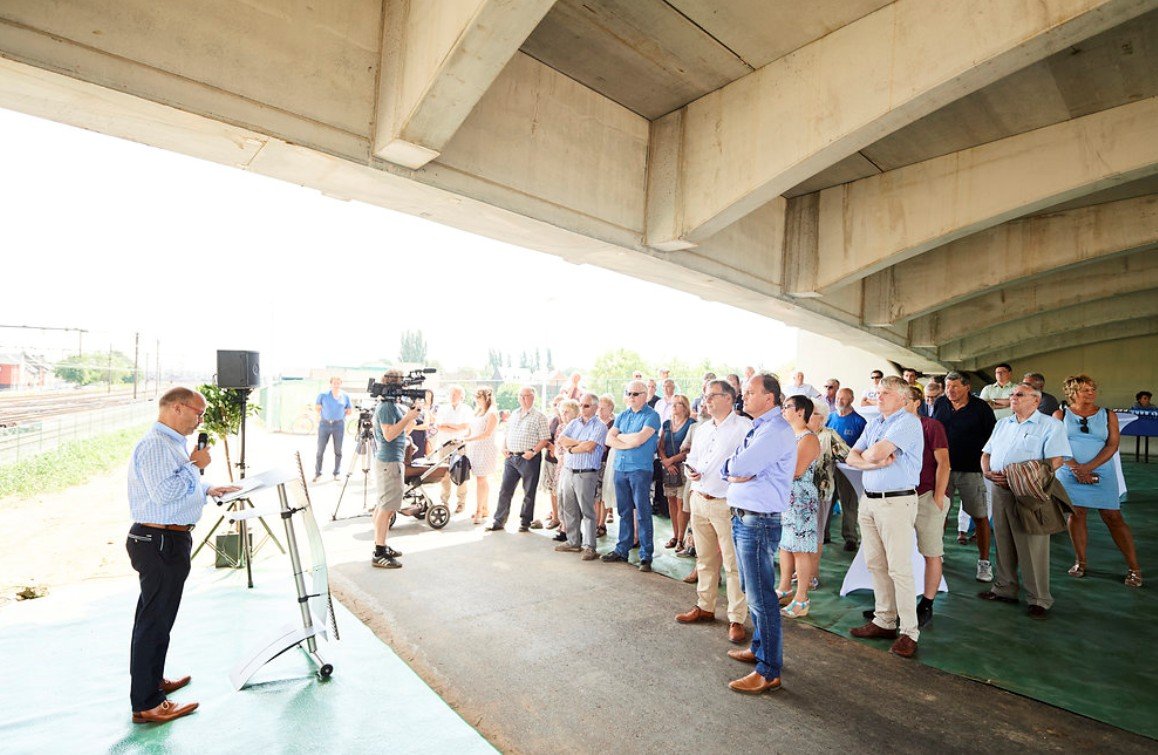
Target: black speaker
x: 238, y: 369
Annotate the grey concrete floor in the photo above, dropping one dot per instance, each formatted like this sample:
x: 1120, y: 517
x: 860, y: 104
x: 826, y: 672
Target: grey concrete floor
x: 546, y: 653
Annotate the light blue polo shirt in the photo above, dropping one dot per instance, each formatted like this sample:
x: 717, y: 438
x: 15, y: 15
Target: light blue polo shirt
x: 903, y: 430
x: 1039, y: 437
x: 637, y: 459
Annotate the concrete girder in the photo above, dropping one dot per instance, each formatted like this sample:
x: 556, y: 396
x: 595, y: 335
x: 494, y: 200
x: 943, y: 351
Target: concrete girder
x: 764, y: 133
x: 1140, y: 328
x: 1097, y: 281
x: 877, y: 222
x: 438, y: 59
x: 1011, y: 252
x: 1049, y: 326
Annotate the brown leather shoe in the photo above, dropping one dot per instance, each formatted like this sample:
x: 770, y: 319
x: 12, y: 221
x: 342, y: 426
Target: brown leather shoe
x: 744, y: 656
x: 163, y: 713
x: 694, y: 615
x: 691, y: 579
x: 736, y: 633
x: 905, y: 646
x: 754, y: 684
x: 872, y: 632
x: 168, y: 686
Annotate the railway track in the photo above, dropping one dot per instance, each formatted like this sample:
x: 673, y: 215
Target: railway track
x: 25, y: 408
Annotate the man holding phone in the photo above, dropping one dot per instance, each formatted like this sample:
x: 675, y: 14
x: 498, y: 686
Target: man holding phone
x: 713, y: 443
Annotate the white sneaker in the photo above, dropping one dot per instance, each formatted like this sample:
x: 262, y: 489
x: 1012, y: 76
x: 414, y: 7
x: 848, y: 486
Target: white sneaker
x: 984, y: 571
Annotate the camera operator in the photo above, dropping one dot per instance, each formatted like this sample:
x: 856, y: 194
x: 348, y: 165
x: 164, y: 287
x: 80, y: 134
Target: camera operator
x: 390, y: 428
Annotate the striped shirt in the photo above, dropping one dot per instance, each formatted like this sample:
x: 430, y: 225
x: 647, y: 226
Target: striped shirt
x: 165, y: 487
x: 525, y: 429
x: 592, y: 429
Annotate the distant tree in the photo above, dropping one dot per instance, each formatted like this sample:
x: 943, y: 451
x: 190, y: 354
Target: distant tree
x: 86, y: 369
x: 507, y: 397
x: 538, y: 360
x: 617, y: 366
x: 524, y: 363
x: 494, y: 359
x: 508, y: 359
x: 550, y: 360
x: 413, y: 349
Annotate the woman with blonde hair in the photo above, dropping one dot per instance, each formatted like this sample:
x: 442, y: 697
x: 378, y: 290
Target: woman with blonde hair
x: 1089, y: 476
x: 671, y: 459
x: 481, y: 450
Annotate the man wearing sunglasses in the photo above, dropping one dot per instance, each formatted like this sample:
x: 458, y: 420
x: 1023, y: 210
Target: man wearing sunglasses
x: 166, y: 496
x: 635, y: 438
x: 584, y: 439
x: 1024, y: 436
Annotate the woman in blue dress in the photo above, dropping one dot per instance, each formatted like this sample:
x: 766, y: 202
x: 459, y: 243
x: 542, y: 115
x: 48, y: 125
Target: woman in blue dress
x: 1089, y: 477
x: 799, y: 543
x: 671, y: 456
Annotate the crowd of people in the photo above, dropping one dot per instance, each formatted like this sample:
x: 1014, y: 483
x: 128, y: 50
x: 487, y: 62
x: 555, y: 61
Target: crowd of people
x: 749, y: 472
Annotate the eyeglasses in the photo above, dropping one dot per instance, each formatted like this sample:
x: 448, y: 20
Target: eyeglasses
x: 1085, y: 424
x: 633, y: 393
x: 586, y: 406
x: 1019, y: 395
x: 715, y: 395
x: 830, y: 387
x: 199, y: 414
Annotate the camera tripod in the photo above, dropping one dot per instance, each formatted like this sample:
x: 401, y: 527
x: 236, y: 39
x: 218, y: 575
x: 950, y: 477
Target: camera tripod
x: 366, y: 449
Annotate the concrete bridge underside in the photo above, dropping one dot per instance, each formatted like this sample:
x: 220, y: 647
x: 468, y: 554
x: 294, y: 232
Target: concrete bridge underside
x: 945, y: 184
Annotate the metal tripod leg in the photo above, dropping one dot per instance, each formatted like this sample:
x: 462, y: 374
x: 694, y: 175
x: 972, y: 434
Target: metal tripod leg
x: 365, y: 448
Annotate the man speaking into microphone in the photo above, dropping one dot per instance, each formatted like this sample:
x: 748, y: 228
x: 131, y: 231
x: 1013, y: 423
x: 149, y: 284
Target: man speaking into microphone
x: 166, y: 496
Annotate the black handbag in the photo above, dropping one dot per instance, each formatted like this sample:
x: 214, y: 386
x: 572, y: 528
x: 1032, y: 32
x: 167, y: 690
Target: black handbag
x: 459, y: 469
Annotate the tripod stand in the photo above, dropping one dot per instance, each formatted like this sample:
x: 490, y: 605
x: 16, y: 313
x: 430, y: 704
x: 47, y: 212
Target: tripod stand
x: 366, y: 449
x: 245, y: 550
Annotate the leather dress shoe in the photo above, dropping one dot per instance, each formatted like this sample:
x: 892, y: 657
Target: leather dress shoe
x: 1038, y: 612
x: 905, y: 646
x: 873, y: 632
x: 754, y: 684
x: 163, y: 713
x: 990, y: 595
x: 494, y: 528
x: 737, y: 633
x: 744, y: 656
x: 694, y: 615
x: 691, y: 579
x: 169, y: 686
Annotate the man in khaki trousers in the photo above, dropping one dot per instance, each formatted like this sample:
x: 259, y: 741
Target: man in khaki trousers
x: 714, y: 442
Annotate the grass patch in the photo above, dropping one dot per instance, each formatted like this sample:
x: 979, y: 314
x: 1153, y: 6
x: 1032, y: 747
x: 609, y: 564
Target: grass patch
x: 70, y: 464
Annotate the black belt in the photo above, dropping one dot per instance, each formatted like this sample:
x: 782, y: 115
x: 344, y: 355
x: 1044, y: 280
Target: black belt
x: 743, y: 513
x: 174, y: 527
x: 890, y: 493
x: 583, y: 471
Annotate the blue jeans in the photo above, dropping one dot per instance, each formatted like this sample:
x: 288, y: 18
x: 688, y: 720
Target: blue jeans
x: 633, y: 492
x: 757, y: 538
x: 326, y: 431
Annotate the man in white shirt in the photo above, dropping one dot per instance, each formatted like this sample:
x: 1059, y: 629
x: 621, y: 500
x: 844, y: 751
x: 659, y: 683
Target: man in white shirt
x: 800, y: 388
x: 666, y: 401
x: 714, y: 442
x: 997, y: 394
x: 453, y: 422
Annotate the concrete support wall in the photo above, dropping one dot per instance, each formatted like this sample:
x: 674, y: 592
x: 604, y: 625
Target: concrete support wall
x: 1122, y: 368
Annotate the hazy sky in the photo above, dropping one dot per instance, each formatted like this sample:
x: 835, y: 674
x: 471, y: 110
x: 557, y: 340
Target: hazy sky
x: 116, y: 237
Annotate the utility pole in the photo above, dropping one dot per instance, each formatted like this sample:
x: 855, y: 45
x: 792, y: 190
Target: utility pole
x: 157, y: 374
x: 136, y: 356
x: 109, y: 372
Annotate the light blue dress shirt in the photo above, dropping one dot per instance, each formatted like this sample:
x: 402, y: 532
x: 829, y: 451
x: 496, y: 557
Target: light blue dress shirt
x: 1039, y: 437
x: 165, y: 487
x: 903, y: 430
x: 768, y: 454
x: 592, y: 429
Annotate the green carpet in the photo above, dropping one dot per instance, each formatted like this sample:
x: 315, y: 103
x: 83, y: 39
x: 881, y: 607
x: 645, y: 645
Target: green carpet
x: 66, y: 685
x: 1091, y: 656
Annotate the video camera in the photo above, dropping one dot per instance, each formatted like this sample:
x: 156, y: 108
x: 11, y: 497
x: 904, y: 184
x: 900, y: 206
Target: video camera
x: 402, y: 391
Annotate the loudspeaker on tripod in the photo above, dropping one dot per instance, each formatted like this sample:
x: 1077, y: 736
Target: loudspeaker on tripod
x: 238, y: 369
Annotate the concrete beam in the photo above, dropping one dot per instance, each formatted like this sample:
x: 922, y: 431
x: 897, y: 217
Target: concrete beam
x: 1098, y: 281
x: 1011, y: 252
x: 1049, y: 327
x: 1141, y: 328
x: 438, y: 59
x: 766, y: 132
x: 880, y: 221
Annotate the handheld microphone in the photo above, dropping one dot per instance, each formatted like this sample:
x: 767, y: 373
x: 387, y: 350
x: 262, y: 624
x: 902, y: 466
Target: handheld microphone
x: 202, y: 444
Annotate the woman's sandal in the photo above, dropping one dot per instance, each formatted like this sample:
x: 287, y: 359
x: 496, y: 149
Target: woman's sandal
x: 784, y: 597
x: 1078, y: 570
x: 1133, y: 578
x: 796, y: 609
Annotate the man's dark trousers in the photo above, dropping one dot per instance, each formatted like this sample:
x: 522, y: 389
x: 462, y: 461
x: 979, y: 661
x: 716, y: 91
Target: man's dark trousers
x: 849, y: 505
x: 328, y: 430
x: 161, y: 560
x: 517, y: 468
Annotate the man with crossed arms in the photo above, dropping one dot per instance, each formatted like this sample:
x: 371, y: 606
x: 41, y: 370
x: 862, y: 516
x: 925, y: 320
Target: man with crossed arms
x: 714, y: 442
